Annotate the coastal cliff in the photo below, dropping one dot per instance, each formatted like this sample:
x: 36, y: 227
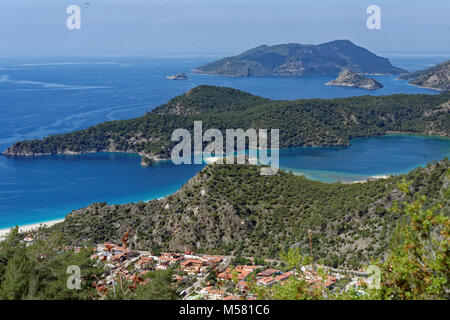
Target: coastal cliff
x: 436, y: 77
x: 350, y: 79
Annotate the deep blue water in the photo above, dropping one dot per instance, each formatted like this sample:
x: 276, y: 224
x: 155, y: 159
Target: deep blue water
x: 38, y: 189
x: 40, y: 96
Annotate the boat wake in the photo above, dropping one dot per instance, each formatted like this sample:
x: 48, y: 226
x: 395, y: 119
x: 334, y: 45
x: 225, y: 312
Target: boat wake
x: 5, y: 78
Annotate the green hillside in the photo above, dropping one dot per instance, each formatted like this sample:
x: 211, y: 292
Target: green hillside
x: 313, y: 122
x: 232, y: 209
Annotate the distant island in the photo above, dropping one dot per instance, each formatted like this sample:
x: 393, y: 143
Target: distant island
x: 436, y: 77
x: 348, y: 78
x: 178, y: 76
x: 298, y: 60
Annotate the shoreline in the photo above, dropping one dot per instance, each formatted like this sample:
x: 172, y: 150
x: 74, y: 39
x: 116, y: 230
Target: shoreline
x: 372, y: 178
x: 156, y: 159
x: 30, y: 227
x: 397, y: 133
x: 429, y: 88
x: 214, y: 159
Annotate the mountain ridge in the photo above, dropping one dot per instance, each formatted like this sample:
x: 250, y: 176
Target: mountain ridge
x: 295, y: 59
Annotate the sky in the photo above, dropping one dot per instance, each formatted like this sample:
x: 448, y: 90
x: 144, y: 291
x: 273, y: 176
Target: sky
x: 217, y: 27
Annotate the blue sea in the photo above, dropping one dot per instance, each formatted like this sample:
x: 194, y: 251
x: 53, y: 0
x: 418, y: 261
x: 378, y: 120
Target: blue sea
x: 45, y: 96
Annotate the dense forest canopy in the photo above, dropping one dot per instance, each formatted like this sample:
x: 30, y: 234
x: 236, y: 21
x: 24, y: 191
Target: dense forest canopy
x: 232, y: 209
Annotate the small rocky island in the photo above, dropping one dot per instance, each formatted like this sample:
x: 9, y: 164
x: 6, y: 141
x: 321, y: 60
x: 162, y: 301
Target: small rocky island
x: 348, y: 78
x: 178, y: 76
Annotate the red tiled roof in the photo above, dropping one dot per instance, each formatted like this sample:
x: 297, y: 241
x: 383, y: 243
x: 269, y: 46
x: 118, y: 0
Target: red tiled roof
x: 211, y: 290
x: 268, y: 272
x: 283, y: 276
x: 191, y: 261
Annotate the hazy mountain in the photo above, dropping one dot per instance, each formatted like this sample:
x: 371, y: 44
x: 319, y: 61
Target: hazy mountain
x: 297, y: 60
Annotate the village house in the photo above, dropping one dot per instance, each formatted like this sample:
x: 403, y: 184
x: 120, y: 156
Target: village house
x: 171, y: 257
x: 270, y: 272
x: 193, y: 266
x: 272, y: 279
x: 191, y: 255
x: 214, y: 260
x: 162, y: 265
x: 144, y: 263
x: 212, y: 294
x: 266, y: 281
x: 315, y: 279
x: 167, y: 259
x: 242, y: 272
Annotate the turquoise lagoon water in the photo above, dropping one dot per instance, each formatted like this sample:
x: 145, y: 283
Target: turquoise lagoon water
x: 365, y: 158
x: 39, y: 97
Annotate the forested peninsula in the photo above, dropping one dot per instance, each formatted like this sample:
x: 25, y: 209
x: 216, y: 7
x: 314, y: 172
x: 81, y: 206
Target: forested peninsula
x: 305, y: 122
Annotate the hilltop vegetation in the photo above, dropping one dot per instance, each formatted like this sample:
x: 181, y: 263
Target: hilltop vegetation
x: 295, y: 59
x: 39, y: 271
x: 416, y: 264
x: 313, y: 122
x: 232, y: 209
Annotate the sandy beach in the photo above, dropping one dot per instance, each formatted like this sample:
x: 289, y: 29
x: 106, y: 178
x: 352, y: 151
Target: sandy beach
x: 30, y: 227
x: 370, y: 179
